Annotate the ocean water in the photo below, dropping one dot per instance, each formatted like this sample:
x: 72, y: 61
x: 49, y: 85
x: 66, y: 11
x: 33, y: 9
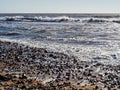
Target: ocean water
x: 88, y: 37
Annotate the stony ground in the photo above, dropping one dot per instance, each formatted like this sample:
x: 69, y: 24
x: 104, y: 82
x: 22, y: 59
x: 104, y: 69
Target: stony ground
x: 52, y: 70
x: 11, y: 82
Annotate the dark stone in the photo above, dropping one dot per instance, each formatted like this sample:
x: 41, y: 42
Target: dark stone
x: 4, y: 78
x: 109, y: 88
x: 53, y: 56
x: 45, y: 51
x: 43, y: 55
x: 86, y: 65
x: 20, y: 82
x: 96, y: 87
x: 106, y: 73
x: 23, y: 87
x: 78, y: 83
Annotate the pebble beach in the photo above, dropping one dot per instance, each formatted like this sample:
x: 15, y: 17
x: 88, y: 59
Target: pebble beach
x: 53, y: 70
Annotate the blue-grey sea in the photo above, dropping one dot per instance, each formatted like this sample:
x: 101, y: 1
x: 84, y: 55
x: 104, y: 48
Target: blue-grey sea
x: 88, y: 37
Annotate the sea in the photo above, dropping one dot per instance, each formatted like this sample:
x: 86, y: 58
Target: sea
x: 88, y: 37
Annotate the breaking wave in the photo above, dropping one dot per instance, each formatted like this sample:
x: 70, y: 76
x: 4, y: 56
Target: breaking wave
x: 38, y: 19
x: 59, y: 19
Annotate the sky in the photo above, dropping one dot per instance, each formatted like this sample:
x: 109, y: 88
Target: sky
x: 59, y: 6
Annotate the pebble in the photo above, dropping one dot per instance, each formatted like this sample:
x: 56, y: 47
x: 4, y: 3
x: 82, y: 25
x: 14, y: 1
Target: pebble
x: 42, y: 64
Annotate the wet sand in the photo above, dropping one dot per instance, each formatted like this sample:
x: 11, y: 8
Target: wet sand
x: 56, y: 70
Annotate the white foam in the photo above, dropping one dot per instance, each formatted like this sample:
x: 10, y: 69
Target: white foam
x: 84, y: 53
x: 59, y: 19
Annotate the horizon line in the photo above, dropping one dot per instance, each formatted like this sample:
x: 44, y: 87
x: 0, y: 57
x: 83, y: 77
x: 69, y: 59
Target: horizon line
x: 56, y: 13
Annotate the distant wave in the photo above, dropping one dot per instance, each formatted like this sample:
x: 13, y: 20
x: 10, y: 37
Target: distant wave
x: 97, y: 20
x: 59, y: 19
x: 9, y: 33
x: 115, y: 20
x: 38, y: 19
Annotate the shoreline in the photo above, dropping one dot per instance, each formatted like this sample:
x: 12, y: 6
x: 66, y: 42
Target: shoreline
x: 56, y: 69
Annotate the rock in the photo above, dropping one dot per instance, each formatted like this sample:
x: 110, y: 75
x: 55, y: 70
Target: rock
x: 3, y: 78
x: 38, y: 64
